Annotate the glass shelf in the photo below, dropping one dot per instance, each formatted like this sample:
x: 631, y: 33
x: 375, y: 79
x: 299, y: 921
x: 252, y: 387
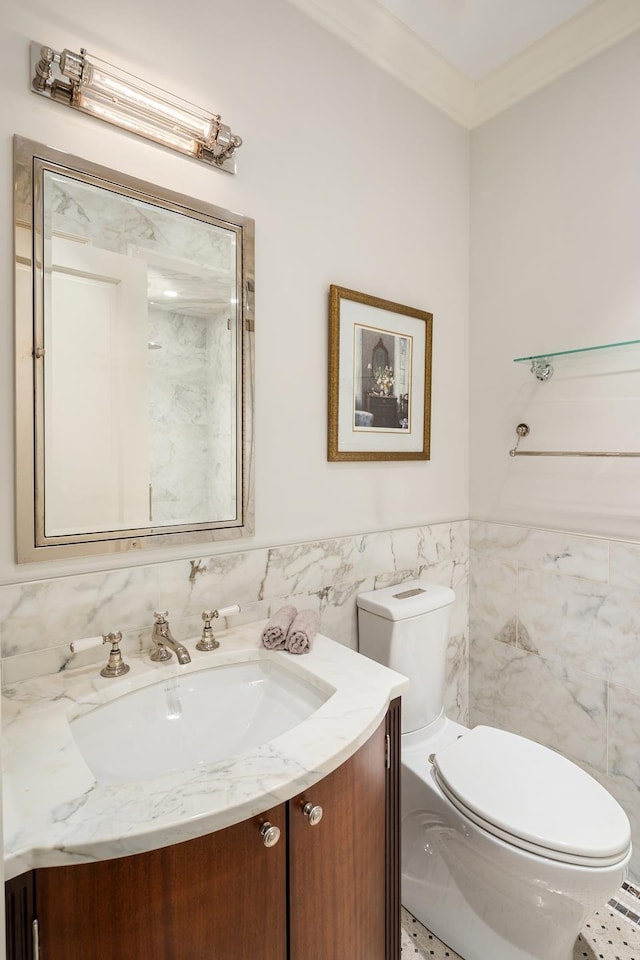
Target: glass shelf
x: 567, y: 353
x: 541, y: 364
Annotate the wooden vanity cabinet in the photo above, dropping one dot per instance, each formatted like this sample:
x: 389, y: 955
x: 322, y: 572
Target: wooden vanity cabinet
x: 220, y: 896
x: 337, y: 868
x: 324, y: 891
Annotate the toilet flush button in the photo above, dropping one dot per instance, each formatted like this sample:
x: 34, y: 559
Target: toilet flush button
x: 408, y: 593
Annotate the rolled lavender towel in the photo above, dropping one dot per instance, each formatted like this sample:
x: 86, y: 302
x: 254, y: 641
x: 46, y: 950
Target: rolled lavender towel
x: 274, y: 634
x: 302, y: 631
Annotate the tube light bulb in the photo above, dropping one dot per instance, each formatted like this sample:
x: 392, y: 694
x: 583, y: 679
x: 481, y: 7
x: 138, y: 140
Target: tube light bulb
x: 92, y: 102
x: 128, y: 95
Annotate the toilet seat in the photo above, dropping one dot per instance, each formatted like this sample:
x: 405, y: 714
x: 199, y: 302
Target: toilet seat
x: 532, y: 798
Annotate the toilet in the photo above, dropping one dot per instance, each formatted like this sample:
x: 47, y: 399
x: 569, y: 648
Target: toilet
x: 507, y: 846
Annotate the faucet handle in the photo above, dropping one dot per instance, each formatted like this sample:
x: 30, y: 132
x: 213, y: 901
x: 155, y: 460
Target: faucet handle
x: 116, y: 666
x: 208, y: 640
x: 161, y: 617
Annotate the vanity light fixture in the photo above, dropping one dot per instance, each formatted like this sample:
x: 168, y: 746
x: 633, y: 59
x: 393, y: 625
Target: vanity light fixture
x: 97, y: 87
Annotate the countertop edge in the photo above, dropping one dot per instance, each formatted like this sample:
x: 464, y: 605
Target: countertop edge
x: 90, y: 825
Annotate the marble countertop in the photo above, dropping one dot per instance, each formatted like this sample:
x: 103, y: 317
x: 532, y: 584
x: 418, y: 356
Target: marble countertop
x: 55, y: 813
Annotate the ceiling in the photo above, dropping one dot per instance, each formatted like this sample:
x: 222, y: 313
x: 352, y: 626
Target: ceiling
x: 474, y: 58
x: 478, y: 36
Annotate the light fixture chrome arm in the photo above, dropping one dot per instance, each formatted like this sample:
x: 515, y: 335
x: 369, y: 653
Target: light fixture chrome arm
x: 105, y: 91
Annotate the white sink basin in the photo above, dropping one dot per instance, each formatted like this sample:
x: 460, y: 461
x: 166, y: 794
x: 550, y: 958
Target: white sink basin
x: 197, y: 718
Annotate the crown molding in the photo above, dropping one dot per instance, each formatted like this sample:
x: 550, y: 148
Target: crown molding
x: 368, y: 27
x: 572, y: 43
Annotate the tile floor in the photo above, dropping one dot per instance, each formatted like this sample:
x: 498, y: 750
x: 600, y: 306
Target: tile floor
x: 607, y: 936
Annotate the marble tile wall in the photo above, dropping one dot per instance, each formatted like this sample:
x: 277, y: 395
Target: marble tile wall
x: 191, y: 391
x: 38, y: 620
x: 554, y: 628
x: 178, y: 428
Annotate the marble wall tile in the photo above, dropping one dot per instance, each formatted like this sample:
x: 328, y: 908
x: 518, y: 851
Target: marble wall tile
x: 561, y: 553
x: 456, y: 699
x: 338, y: 610
x: 493, y: 698
x: 624, y: 729
x: 187, y: 587
x: 497, y: 541
x: 546, y: 550
x: 493, y: 586
x: 48, y: 613
x: 565, y: 710
x: 444, y: 542
x: 412, y: 549
x: 397, y: 577
x: 391, y: 552
x: 579, y: 623
x: 627, y: 669
x: 624, y: 565
x: 305, y: 568
x: 26, y: 666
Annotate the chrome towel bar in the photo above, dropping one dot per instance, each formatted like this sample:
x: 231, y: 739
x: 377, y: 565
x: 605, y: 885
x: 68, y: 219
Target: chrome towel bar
x: 523, y: 431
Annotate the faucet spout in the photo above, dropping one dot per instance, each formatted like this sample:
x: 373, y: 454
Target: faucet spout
x: 164, y: 642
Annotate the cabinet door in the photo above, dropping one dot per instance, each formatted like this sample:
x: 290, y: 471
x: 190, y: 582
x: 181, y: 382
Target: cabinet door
x: 220, y: 897
x: 19, y: 916
x: 337, y: 868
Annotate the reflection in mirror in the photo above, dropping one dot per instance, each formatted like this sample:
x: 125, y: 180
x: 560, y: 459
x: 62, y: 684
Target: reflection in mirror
x: 139, y: 351
x: 139, y: 365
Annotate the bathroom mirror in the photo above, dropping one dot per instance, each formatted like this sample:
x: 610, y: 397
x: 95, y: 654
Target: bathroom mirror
x: 134, y: 362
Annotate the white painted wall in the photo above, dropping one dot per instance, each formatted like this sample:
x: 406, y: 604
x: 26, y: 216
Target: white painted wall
x: 351, y: 179
x: 555, y: 240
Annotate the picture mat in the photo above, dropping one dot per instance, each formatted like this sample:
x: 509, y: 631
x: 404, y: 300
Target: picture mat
x: 392, y: 441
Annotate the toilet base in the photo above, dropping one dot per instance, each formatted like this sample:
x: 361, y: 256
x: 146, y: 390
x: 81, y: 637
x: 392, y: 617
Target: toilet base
x: 476, y: 938
x: 481, y: 896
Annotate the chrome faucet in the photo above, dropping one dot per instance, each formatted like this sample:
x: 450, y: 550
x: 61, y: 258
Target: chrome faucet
x: 164, y: 643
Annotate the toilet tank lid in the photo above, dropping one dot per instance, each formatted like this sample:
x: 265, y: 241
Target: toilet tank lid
x: 409, y: 599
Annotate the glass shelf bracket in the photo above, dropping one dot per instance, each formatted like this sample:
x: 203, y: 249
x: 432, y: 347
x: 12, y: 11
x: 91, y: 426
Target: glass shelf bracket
x: 541, y: 365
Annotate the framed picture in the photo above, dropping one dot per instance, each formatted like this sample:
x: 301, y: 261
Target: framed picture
x: 379, y: 378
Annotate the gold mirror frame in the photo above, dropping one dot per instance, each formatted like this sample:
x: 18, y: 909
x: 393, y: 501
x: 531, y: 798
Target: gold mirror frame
x: 31, y: 159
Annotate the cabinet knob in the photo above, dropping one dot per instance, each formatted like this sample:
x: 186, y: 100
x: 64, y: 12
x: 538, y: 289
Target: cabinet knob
x: 270, y: 834
x: 314, y: 813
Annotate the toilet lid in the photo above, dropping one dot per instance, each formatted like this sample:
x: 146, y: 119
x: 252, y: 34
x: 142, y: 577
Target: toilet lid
x: 532, y: 797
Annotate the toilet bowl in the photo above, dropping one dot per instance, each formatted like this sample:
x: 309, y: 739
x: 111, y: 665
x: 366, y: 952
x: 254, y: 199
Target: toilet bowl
x: 507, y: 846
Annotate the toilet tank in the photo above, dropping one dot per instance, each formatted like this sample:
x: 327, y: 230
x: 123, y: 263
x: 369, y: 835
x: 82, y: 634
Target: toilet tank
x: 406, y: 627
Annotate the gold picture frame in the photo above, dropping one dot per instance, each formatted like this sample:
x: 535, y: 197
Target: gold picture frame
x: 379, y: 378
